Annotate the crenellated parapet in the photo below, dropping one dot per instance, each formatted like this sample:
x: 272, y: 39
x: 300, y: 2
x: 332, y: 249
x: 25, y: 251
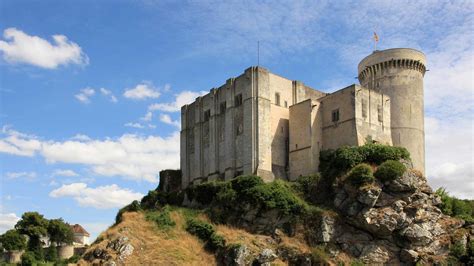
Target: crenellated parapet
x: 398, y: 58
x: 392, y: 63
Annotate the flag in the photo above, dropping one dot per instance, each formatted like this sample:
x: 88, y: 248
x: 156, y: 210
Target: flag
x: 376, y: 37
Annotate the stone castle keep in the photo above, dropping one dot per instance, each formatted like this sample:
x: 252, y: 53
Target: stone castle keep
x: 264, y: 124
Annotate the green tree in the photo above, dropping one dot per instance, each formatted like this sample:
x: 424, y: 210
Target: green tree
x: 60, y: 232
x: 13, y: 240
x: 35, y: 226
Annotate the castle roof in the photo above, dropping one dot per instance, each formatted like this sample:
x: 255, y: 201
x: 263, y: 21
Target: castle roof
x: 78, y: 229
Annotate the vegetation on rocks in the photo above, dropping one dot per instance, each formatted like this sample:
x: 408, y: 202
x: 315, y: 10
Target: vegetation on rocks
x: 452, y: 206
x: 354, y: 223
x: 390, y: 170
x: 361, y: 174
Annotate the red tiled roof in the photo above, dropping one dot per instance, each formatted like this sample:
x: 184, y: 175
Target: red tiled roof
x: 78, y: 229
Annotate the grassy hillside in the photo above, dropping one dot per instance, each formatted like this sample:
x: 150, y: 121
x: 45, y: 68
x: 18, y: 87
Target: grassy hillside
x: 173, y: 245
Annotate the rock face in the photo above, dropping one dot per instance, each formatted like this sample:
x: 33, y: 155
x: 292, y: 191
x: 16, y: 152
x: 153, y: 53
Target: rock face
x: 393, y: 222
x: 119, y: 248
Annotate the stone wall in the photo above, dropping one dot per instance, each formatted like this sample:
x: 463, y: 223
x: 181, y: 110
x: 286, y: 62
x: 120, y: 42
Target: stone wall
x: 170, y: 180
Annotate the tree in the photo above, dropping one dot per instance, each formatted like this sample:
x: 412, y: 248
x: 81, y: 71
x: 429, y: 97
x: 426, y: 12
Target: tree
x: 13, y: 240
x: 34, y: 225
x: 60, y: 232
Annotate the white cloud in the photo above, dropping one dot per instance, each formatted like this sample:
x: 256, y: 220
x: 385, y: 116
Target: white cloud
x: 130, y: 156
x: 148, y: 116
x: 109, y: 94
x: 182, y: 98
x: 68, y: 173
x: 134, y: 125
x: 141, y: 92
x: 19, y: 47
x: 7, y: 221
x: 81, y: 137
x: 95, y: 229
x: 167, y: 120
x: 103, y: 197
x: 85, y: 95
x: 449, y: 155
x: 29, y: 176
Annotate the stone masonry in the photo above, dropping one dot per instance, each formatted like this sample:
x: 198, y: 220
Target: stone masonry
x: 261, y: 123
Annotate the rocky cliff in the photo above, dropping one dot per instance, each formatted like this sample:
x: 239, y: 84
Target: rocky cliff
x: 245, y: 221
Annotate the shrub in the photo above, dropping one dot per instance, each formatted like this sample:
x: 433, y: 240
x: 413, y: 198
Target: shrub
x: 348, y: 157
x: 307, y: 185
x: 455, y: 207
x: 132, y: 207
x: 319, y: 256
x: 378, y: 153
x: 457, y: 250
x: 390, y: 170
x: 206, y: 233
x: 216, y: 241
x: 205, y: 193
x: 161, y: 218
x: 51, y: 254
x: 200, y: 229
x: 361, y: 174
x: 244, y: 183
x: 277, y: 195
x: 28, y: 259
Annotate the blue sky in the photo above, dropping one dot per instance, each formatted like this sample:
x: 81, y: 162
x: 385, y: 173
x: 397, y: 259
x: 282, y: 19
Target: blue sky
x: 90, y: 90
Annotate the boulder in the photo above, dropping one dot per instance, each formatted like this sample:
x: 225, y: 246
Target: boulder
x: 409, y: 256
x: 368, y: 195
x: 266, y: 256
x: 416, y: 235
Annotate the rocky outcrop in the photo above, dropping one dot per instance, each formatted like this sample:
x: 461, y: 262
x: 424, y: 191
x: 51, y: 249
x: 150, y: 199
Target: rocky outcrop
x: 116, y: 252
x: 393, y: 222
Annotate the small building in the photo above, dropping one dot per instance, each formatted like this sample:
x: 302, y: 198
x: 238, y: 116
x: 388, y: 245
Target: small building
x: 81, y: 236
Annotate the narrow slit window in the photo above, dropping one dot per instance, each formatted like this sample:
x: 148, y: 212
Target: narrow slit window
x: 207, y: 115
x: 223, y: 107
x: 277, y: 99
x: 238, y: 100
x: 335, y: 115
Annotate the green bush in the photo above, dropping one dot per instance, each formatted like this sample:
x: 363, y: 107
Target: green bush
x: 28, y: 259
x: 307, y: 185
x: 457, y: 250
x: 205, y: 192
x: 378, y: 153
x: 361, y: 174
x: 132, y: 207
x: 333, y: 162
x: 200, y: 229
x: 244, y: 183
x: 390, y: 170
x: 277, y: 194
x: 206, y: 233
x: 216, y: 241
x: 161, y: 218
x: 348, y: 157
x: 463, y: 209
x: 51, y: 254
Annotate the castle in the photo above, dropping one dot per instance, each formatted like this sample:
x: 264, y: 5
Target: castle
x: 264, y: 124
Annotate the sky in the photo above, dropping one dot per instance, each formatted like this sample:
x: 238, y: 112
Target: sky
x: 90, y: 91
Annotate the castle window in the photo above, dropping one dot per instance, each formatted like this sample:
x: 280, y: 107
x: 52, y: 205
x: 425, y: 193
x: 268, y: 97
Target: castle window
x: 238, y: 100
x: 335, y: 115
x: 207, y: 115
x: 380, y: 112
x: 286, y: 104
x: 364, y: 108
x: 239, y: 129
x: 277, y: 99
x: 223, y: 107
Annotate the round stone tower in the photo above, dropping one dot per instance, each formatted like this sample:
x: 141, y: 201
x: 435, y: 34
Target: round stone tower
x: 399, y: 73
